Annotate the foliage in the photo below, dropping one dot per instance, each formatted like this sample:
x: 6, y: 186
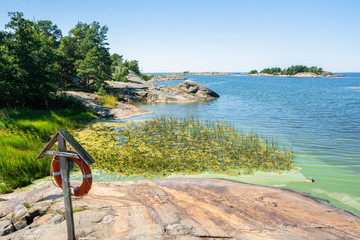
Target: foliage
x: 146, y: 77
x: 116, y: 60
x: 86, y: 54
x: 253, y: 71
x: 24, y: 133
x: 291, y: 70
x: 273, y: 71
x: 301, y: 68
x: 29, y: 72
x: 120, y: 73
x: 133, y: 65
x: 108, y: 100
x: 119, y: 97
x: 101, y: 91
x: 120, y: 68
x: 166, y: 145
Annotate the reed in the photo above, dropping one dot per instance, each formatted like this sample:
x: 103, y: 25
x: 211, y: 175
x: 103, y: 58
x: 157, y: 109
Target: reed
x: 23, y: 134
x: 164, y: 146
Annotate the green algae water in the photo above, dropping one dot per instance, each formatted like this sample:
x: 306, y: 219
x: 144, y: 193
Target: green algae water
x: 319, y: 118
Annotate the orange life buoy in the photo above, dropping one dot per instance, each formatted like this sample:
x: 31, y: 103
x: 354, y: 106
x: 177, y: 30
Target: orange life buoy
x: 85, y: 169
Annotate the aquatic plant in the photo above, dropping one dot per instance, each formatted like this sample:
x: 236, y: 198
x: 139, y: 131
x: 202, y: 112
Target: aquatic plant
x: 164, y: 146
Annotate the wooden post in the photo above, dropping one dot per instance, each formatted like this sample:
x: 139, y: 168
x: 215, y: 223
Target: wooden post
x: 64, y: 164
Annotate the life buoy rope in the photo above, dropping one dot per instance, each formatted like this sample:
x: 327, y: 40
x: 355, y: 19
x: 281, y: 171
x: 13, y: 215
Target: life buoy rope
x: 85, y: 187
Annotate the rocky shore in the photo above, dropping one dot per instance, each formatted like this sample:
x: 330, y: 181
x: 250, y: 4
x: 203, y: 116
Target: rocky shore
x: 302, y: 74
x: 121, y: 111
x: 139, y: 90
x: 167, y: 77
x: 188, y: 208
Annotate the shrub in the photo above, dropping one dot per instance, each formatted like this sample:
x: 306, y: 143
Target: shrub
x: 101, y: 91
x: 109, y: 101
x: 146, y: 77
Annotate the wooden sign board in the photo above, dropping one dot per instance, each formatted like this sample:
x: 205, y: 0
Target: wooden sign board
x: 72, y: 142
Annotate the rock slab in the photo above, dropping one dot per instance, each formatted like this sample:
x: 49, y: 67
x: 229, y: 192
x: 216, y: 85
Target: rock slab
x: 181, y: 209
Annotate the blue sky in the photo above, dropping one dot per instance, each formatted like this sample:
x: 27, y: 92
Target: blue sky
x: 206, y: 35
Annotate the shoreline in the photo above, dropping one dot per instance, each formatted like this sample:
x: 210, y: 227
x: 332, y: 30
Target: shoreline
x: 122, y: 110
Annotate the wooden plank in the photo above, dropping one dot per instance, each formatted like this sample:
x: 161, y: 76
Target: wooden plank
x: 76, y: 146
x: 48, y: 146
x: 62, y: 154
x: 64, y: 164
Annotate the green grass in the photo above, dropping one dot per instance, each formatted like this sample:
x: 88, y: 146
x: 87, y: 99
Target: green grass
x: 164, y: 146
x: 24, y: 133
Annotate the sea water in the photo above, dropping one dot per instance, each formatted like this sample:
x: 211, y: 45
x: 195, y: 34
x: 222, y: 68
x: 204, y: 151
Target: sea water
x: 318, y: 118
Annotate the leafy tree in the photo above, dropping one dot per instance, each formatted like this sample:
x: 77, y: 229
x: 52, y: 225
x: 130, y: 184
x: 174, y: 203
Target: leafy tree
x: 273, y: 71
x: 121, y: 73
x: 133, y: 65
x: 117, y: 60
x: 46, y: 28
x: 253, y: 71
x: 85, y: 54
x: 296, y: 69
x: 120, y: 68
x: 68, y: 47
x: 292, y: 70
x: 29, y: 72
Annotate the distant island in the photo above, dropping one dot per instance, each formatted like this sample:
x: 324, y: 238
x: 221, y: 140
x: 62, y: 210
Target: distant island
x: 175, y: 76
x: 203, y: 73
x: 294, y: 71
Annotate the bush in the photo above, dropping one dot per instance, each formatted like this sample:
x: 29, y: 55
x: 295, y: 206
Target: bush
x: 101, y: 91
x: 109, y: 101
x: 120, y: 97
x: 146, y: 77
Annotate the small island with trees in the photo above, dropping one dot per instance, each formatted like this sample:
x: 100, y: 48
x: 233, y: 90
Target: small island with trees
x: 294, y: 71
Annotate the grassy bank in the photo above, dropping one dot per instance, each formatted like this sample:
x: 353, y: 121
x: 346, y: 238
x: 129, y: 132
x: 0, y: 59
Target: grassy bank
x: 24, y: 133
x: 168, y: 145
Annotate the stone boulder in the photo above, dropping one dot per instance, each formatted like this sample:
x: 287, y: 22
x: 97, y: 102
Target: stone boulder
x: 192, y: 87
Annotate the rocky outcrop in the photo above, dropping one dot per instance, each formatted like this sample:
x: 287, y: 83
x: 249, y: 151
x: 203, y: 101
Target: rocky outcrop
x: 167, y: 77
x: 192, y: 87
x: 139, y: 90
x: 301, y: 74
x: 310, y: 74
x: 176, y: 209
x: 121, y: 111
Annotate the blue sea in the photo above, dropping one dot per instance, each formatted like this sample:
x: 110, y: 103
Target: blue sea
x: 318, y: 118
